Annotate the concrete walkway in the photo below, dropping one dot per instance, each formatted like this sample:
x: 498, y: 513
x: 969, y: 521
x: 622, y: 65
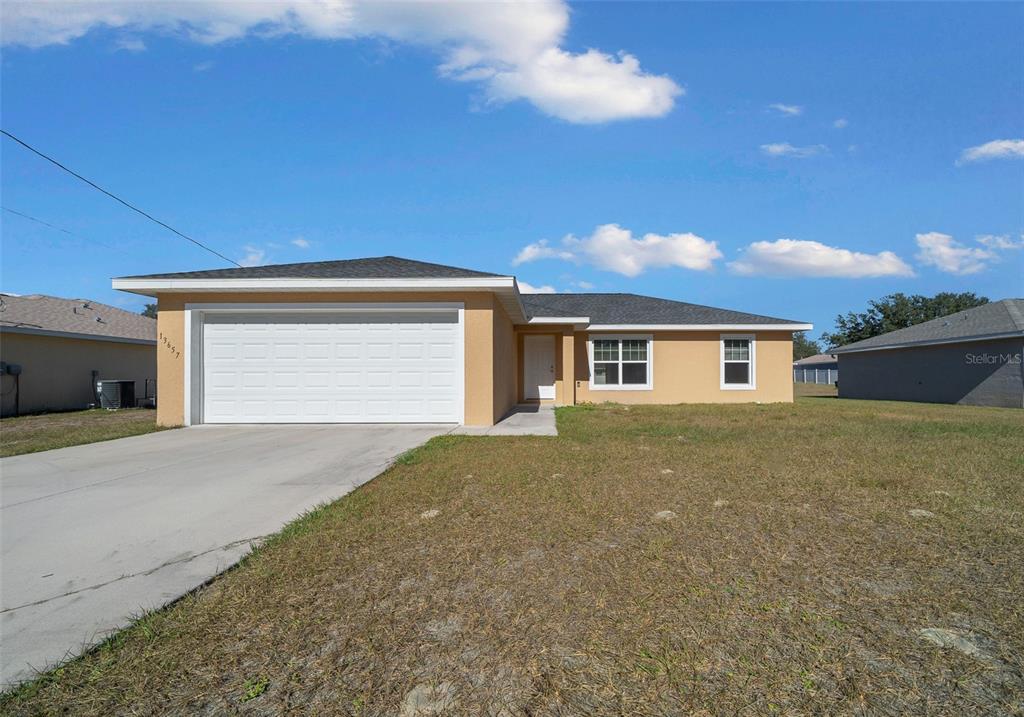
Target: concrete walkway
x: 94, y: 535
x: 523, y: 420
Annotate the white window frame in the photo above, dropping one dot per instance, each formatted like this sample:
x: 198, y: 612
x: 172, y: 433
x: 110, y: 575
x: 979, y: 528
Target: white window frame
x: 649, y: 338
x: 752, y: 383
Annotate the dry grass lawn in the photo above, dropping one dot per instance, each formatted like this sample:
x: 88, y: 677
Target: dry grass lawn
x: 814, y: 389
x: 791, y: 577
x: 28, y: 434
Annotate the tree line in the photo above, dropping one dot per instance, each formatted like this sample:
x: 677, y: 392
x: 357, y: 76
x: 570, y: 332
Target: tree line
x: 895, y: 311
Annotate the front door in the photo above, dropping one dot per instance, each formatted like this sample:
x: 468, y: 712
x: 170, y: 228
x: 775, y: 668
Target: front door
x: 539, y: 367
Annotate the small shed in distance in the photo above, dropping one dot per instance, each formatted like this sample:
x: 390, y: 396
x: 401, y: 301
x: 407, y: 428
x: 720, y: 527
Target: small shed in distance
x: 820, y: 368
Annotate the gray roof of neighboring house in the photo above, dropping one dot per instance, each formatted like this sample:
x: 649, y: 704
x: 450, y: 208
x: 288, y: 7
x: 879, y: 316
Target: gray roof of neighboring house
x: 998, y: 318
x: 379, y: 267
x: 614, y: 309
x: 816, y: 359
x: 38, y: 313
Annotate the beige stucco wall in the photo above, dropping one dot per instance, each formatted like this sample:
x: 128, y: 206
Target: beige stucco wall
x: 57, y: 371
x: 686, y: 370
x: 485, y: 392
x: 505, y: 363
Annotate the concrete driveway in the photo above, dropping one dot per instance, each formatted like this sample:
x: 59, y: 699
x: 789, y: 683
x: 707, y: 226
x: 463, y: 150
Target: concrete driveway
x: 94, y: 535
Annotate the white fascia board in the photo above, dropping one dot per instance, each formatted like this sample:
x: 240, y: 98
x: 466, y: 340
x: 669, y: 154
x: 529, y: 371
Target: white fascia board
x: 151, y: 287
x: 930, y: 342
x: 700, y: 327
x: 578, y: 320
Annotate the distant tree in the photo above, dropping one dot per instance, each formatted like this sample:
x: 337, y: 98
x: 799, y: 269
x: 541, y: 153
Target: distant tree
x: 150, y: 311
x: 897, y: 311
x: 803, y: 346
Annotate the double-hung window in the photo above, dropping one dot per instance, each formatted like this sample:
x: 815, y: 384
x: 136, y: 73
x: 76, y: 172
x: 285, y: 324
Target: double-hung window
x: 621, y: 363
x: 737, y: 362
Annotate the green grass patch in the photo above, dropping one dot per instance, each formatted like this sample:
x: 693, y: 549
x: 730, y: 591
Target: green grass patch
x: 46, y: 431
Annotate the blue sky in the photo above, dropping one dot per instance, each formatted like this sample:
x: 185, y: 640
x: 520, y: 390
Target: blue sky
x: 794, y: 160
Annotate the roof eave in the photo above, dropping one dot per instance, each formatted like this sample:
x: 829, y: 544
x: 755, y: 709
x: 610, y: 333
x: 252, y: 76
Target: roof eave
x: 854, y: 349
x: 75, y: 335
x: 504, y: 286
x: 701, y: 327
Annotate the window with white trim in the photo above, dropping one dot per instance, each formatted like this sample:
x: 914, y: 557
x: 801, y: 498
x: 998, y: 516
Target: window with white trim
x: 737, y: 360
x: 620, y: 362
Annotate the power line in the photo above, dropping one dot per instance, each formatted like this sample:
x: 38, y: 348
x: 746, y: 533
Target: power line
x: 61, y: 229
x: 116, y: 198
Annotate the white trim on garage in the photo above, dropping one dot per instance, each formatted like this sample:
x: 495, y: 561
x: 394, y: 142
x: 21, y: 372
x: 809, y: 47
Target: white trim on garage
x: 284, y: 284
x: 194, y: 320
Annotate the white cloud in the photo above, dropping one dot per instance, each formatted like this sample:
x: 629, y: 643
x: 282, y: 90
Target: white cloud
x: 613, y: 248
x: 130, y: 44
x: 785, y: 149
x: 585, y: 285
x: 793, y: 257
x: 254, y: 256
x: 787, y: 110
x: 203, y: 66
x: 512, y: 49
x: 946, y: 254
x: 540, y: 250
x: 531, y: 289
x: 1002, y: 242
x: 996, y: 149
x: 301, y: 242
x: 841, y: 123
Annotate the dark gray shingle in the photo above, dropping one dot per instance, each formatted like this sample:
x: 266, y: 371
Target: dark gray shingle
x: 636, y: 309
x: 380, y: 267
x: 995, y: 318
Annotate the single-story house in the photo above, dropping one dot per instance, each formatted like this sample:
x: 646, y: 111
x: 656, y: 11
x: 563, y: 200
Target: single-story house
x: 971, y: 357
x: 819, y: 368
x: 53, y: 350
x: 393, y: 340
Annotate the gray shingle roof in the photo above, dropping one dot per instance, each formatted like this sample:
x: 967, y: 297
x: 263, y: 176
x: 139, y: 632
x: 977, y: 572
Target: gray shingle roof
x: 635, y: 309
x: 816, y: 360
x: 1004, y: 317
x: 380, y: 267
x: 38, y: 312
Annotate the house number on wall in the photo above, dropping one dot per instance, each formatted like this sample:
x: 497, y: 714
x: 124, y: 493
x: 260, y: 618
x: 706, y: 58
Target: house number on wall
x: 170, y: 346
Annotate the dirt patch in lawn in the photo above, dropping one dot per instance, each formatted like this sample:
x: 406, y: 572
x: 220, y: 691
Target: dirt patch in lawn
x: 791, y: 578
x: 29, y: 434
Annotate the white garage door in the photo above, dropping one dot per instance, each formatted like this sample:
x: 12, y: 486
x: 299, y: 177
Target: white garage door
x: 352, y: 367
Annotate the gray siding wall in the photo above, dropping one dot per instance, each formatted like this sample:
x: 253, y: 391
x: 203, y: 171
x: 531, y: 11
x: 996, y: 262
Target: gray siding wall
x: 981, y: 373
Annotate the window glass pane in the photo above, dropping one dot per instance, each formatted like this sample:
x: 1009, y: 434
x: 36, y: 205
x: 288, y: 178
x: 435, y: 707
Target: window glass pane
x: 634, y: 350
x: 606, y: 374
x: 633, y: 373
x: 737, y: 349
x: 606, y: 350
x: 737, y: 373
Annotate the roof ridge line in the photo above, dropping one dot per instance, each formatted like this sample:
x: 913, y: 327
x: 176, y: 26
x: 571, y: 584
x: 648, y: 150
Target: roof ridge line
x: 1016, y: 315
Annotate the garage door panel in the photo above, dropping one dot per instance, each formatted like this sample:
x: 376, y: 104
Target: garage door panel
x: 325, y: 367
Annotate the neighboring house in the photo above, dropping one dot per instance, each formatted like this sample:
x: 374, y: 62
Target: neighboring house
x: 971, y: 357
x: 63, y: 345
x: 820, y: 368
x: 393, y: 340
